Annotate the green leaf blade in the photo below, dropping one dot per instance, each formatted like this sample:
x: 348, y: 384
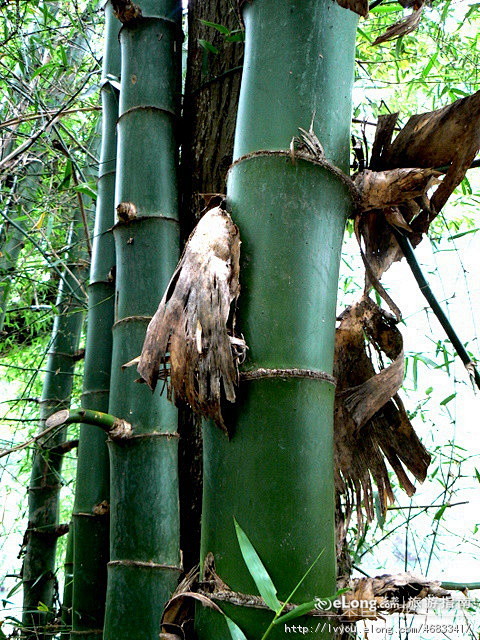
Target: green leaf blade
x: 255, y: 566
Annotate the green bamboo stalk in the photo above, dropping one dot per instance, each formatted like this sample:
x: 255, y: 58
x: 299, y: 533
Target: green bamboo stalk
x: 90, y: 513
x: 66, y: 610
x: 43, y: 494
x: 22, y: 201
x: 144, y: 550
x: 275, y: 476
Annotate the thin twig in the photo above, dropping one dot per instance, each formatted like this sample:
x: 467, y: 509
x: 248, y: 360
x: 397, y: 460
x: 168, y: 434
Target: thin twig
x: 38, y: 116
x: 26, y: 444
x: 428, y: 506
x: 28, y: 143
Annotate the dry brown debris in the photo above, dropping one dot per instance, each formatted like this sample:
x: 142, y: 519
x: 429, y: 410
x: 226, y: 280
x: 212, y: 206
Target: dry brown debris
x: 191, y: 339
x: 368, y: 597
x: 395, y: 191
x: 371, y: 423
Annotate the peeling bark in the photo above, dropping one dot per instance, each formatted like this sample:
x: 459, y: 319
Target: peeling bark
x: 447, y: 136
x: 126, y: 11
x: 193, y: 328
x: 382, y: 189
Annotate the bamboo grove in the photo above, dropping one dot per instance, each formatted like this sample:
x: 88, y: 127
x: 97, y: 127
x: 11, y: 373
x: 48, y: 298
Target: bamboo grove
x: 262, y: 430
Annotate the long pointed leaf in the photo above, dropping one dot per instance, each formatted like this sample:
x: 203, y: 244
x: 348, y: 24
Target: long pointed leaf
x: 264, y: 583
x: 301, y: 610
x: 235, y: 631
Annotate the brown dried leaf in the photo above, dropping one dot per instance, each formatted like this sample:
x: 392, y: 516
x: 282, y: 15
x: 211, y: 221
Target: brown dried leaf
x: 357, y: 6
x: 395, y: 218
x: 447, y: 136
x: 383, y: 138
x: 381, y: 189
x: 433, y: 139
x: 371, y: 425
x: 402, y: 27
x: 388, y: 593
x: 380, y: 251
x: 193, y: 328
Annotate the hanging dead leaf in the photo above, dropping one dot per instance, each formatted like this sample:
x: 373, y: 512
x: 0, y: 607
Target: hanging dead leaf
x: 357, y: 6
x: 371, y: 424
x: 193, y: 330
x: 447, y: 136
x: 401, y: 592
x: 382, y: 189
x: 402, y: 27
x: 383, y: 139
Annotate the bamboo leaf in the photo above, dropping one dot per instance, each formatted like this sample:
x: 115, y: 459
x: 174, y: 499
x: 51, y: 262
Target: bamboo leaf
x: 86, y: 189
x: 219, y: 27
x: 301, y: 610
x: 264, y: 583
x: 447, y: 399
x: 306, y: 607
x: 235, y: 631
x: 236, y: 36
x: 291, y: 596
x: 464, y: 233
x: 378, y: 511
x: 208, y: 46
x: 440, y: 512
x: 382, y: 9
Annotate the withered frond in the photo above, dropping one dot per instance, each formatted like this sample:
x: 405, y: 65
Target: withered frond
x: 193, y: 328
x: 371, y: 424
x: 397, y: 593
x: 402, y: 27
x: 398, y: 191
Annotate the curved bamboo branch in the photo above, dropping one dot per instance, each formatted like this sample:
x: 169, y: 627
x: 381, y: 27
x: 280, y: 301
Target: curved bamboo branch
x: 116, y: 428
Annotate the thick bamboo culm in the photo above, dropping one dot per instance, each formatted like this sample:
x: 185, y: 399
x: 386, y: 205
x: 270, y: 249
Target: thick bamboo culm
x: 275, y: 476
x: 90, y: 514
x: 144, y: 553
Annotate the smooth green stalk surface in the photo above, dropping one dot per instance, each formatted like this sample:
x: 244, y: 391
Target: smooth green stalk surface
x: 144, y: 552
x: 276, y: 474
x: 90, y: 516
x: 66, y: 611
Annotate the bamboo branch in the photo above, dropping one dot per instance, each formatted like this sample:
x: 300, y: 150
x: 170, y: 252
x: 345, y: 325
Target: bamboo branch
x: 28, y: 235
x: 116, y: 428
x: 38, y: 116
x: 460, y: 586
x: 27, y: 443
x: 427, y: 506
x: 51, y: 120
x: 409, y: 254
